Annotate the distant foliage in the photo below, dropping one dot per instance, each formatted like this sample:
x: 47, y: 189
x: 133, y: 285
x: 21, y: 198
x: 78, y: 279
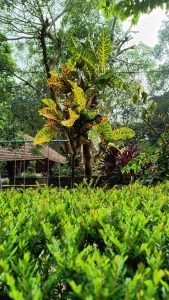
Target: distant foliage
x: 150, y: 166
x: 85, y: 244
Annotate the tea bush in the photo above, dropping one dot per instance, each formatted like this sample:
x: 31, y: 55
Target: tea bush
x: 85, y: 243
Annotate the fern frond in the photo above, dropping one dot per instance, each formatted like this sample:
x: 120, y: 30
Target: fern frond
x: 71, y: 120
x: 104, y: 49
x: 79, y: 96
x: 46, y: 134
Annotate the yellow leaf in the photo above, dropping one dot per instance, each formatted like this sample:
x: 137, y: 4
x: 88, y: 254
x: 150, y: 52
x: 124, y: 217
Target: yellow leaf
x: 115, y: 146
x: 54, y: 80
x: 51, y: 104
x: 45, y: 135
x: 48, y: 113
x: 103, y: 120
x: 70, y: 64
x: 51, y: 123
x: 72, y: 119
x: 53, y: 73
x: 79, y: 96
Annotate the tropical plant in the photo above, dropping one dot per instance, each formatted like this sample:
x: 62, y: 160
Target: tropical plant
x: 75, y: 111
x: 113, y: 162
x: 150, y: 166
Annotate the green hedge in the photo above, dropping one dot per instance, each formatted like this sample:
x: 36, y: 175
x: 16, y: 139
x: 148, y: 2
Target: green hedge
x: 85, y: 243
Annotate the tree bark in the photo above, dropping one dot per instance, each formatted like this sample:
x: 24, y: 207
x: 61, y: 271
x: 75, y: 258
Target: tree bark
x: 87, y: 160
x: 42, y: 38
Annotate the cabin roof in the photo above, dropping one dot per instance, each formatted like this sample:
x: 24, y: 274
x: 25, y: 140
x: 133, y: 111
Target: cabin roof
x: 25, y: 152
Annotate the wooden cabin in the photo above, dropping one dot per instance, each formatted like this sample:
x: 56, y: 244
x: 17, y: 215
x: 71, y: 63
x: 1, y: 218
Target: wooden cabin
x: 18, y: 159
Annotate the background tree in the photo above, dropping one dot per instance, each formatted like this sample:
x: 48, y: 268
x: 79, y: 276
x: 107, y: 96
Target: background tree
x: 7, y: 83
x: 127, y: 8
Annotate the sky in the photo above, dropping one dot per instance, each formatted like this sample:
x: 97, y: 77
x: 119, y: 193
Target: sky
x: 148, y: 27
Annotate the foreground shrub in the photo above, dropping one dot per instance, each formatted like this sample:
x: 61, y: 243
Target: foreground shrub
x: 85, y: 243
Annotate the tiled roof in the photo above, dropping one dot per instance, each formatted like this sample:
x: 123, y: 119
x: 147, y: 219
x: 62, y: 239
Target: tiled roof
x: 25, y: 153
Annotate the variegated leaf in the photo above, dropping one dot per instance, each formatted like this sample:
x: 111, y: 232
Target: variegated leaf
x: 51, y: 104
x: 104, y: 50
x: 48, y: 113
x: 54, y: 81
x: 51, y: 123
x: 104, y: 119
x: 79, y: 96
x: 106, y: 131
x: 46, y: 134
x: 71, y: 120
x: 122, y: 133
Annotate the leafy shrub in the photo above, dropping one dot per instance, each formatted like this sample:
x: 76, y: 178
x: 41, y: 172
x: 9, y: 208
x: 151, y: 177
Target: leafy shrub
x: 151, y: 166
x: 30, y: 171
x: 85, y: 243
x: 115, y: 160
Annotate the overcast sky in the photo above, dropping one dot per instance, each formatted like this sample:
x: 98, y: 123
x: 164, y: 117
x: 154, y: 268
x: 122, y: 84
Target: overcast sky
x: 148, y: 27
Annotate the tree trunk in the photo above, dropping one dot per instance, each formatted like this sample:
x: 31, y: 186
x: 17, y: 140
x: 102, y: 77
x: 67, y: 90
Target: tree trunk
x: 46, y: 58
x: 87, y: 160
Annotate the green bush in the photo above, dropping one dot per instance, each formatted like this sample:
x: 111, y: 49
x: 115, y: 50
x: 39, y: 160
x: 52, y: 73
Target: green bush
x: 85, y: 243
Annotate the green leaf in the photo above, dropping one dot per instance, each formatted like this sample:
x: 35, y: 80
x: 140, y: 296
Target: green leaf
x: 106, y: 130
x: 122, y: 133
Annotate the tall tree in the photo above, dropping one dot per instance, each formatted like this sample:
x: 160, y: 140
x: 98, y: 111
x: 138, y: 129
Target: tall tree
x: 7, y: 67
x: 36, y: 22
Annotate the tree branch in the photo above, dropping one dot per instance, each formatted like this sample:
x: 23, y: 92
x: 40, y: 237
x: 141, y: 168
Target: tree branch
x: 159, y: 134
x: 113, y: 29
x: 60, y: 15
x: 19, y: 38
x: 28, y: 83
x: 125, y: 49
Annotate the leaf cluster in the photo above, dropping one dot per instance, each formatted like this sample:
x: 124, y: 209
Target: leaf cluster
x: 127, y: 8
